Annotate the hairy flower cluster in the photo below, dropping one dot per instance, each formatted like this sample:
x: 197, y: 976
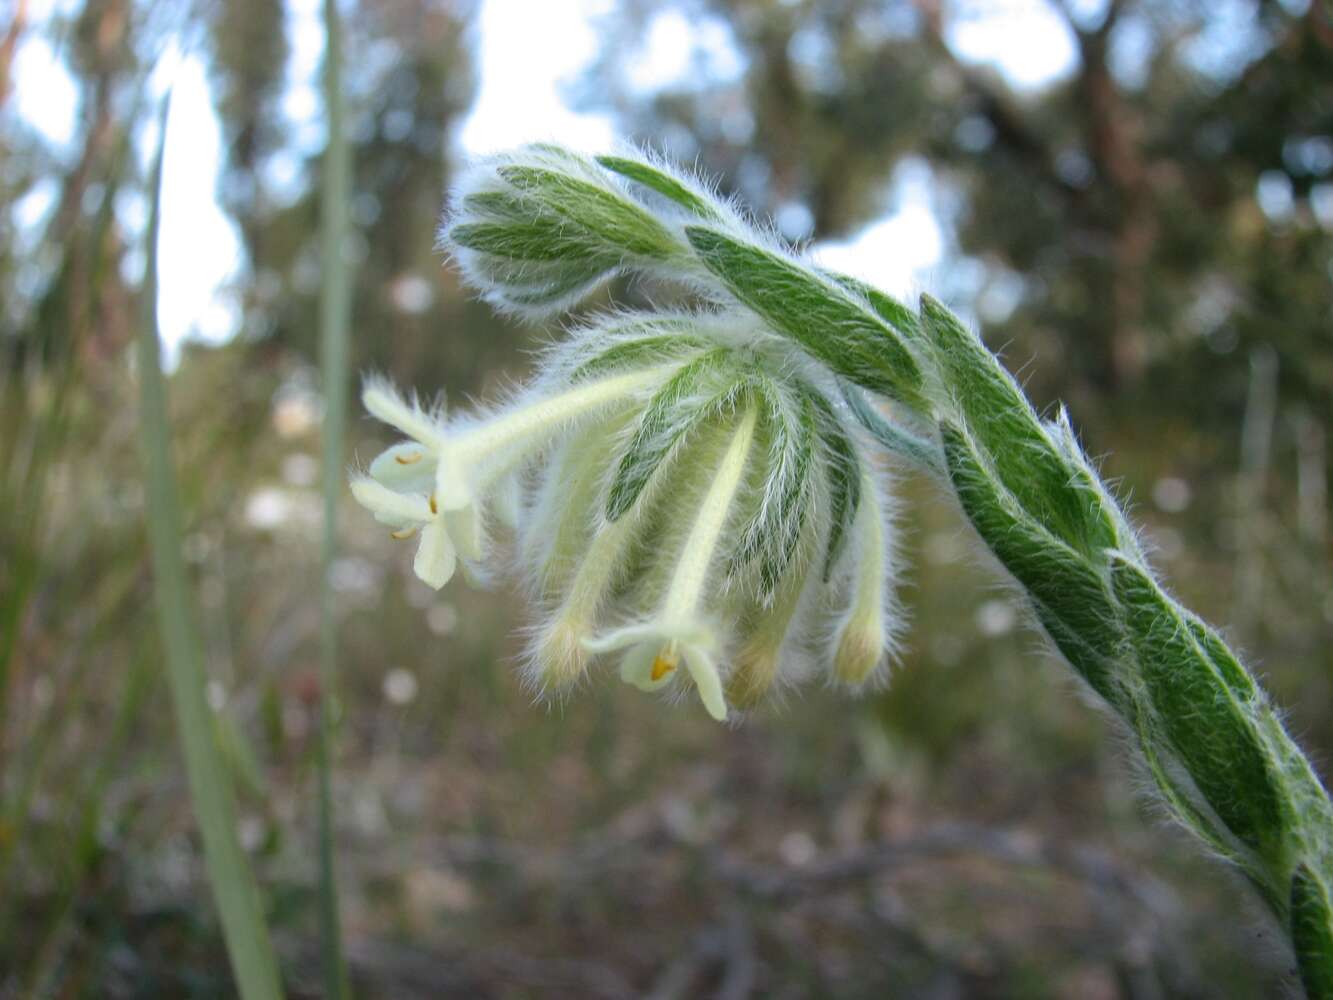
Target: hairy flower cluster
x: 690, y: 501
x: 693, y: 495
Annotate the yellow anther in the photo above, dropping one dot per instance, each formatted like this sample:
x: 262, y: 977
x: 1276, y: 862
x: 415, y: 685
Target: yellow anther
x: 402, y: 533
x: 411, y: 459
x: 434, y: 507
x: 665, y: 662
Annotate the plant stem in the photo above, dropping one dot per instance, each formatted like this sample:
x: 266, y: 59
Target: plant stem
x: 335, y: 307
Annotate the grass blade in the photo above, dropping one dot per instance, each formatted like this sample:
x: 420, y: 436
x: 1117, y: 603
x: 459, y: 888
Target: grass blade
x: 335, y: 308
x: 234, y: 887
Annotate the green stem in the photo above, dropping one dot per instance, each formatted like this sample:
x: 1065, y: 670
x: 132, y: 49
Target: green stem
x: 335, y: 309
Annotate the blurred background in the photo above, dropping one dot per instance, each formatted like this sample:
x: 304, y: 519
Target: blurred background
x: 1133, y: 199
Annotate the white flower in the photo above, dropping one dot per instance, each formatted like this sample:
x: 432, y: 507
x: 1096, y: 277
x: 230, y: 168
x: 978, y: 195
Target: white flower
x: 679, y: 632
x: 400, y: 487
x: 438, y: 481
x: 657, y: 648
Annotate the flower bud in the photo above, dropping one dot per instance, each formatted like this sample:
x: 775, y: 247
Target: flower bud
x: 865, y: 633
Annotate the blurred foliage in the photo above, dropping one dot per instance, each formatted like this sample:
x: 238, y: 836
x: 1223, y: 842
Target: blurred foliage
x: 1152, y: 238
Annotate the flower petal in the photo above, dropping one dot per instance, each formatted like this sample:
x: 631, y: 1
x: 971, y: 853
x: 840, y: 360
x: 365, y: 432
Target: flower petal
x: 465, y: 531
x: 699, y: 662
x: 637, y: 667
x: 386, y: 403
x: 453, y: 489
x: 620, y: 638
x: 407, y: 467
x: 436, y: 559
x: 389, y: 506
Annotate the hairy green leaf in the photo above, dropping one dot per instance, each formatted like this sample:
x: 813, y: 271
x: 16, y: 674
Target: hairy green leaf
x: 500, y: 206
x: 1312, y: 932
x: 773, y: 533
x: 890, y: 310
x: 660, y: 428
x: 918, y: 450
x: 663, y: 183
x: 609, y: 217
x: 638, y: 353
x: 1072, y: 599
x: 1215, y: 740
x: 817, y: 314
x: 1228, y: 667
x: 1181, y: 798
x: 540, y: 290
x: 998, y: 416
x: 843, y: 468
x: 537, y: 238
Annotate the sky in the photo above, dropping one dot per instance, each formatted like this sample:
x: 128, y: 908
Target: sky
x: 519, y: 100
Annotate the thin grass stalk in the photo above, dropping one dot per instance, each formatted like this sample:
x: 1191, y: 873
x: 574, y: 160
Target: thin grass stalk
x: 335, y: 308
x: 234, y: 888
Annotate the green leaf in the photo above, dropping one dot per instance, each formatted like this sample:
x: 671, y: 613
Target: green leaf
x: 568, y: 283
x: 773, y: 533
x: 536, y: 238
x: 918, y: 450
x: 607, y: 216
x: 843, y: 468
x: 1312, y: 932
x: 1228, y: 667
x: 890, y: 310
x: 1215, y: 740
x: 1058, y: 493
x: 499, y: 206
x: 1180, y: 799
x: 663, y: 183
x: 1071, y: 598
x: 660, y: 428
x: 824, y: 319
x: 639, y: 353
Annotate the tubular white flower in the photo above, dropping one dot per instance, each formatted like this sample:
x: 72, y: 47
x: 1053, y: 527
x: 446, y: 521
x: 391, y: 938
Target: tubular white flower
x: 474, y: 457
x: 437, y: 481
x: 559, y: 657
x: 556, y: 524
x: 398, y: 487
x: 679, y: 632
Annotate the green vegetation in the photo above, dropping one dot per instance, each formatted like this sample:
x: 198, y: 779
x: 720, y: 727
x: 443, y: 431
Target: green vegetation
x: 1146, y: 238
x: 1216, y: 749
